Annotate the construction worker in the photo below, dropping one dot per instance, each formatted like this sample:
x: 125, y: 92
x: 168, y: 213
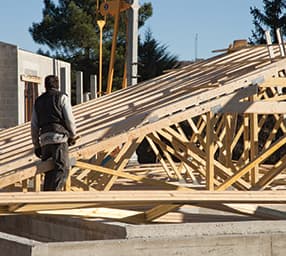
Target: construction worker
x: 53, y: 130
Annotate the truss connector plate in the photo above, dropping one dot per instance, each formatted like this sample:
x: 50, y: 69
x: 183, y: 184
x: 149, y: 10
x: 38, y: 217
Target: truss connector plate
x: 216, y: 109
x: 72, y: 161
x: 258, y: 80
x: 153, y: 119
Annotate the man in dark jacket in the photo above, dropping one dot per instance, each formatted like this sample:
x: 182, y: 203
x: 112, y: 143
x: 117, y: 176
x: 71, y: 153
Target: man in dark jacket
x: 53, y: 130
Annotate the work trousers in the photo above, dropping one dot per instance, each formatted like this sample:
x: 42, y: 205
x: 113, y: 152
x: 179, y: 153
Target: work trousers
x: 55, y: 179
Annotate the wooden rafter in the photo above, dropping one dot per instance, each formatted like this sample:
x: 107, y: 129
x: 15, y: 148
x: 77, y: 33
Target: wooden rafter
x: 205, y: 122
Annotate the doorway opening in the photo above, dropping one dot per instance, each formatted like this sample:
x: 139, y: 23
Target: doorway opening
x: 31, y: 93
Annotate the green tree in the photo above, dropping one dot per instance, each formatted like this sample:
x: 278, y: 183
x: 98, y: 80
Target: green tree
x: 272, y: 17
x: 69, y: 29
x: 153, y: 57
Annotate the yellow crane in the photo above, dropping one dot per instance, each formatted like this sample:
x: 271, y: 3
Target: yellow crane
x: 113, y: 8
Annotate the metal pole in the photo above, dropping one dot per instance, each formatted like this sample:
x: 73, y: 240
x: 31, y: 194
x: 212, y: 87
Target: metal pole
x: 132, y: 51
x: 112, y: 58
x: 100, y: 24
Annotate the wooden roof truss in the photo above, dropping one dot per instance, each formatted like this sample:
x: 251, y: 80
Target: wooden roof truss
x: 215, y: 126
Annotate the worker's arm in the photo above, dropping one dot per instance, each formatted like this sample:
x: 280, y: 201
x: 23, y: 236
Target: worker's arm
x: 68, y: 116
x: 35, y: 134
x: 35, y: 129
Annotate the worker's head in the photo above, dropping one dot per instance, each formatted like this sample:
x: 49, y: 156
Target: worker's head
x: 51, y: 82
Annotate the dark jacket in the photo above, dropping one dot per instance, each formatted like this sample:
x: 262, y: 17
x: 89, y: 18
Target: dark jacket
x: 50, y: 112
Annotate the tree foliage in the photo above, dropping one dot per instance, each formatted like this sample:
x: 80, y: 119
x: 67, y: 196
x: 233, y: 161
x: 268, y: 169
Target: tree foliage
x: 69, y: 29
x: 272, y: 16
x: 153, y: 58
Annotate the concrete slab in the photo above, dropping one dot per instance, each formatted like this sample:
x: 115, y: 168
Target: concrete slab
x: 60, y: 228
x: 242, y: 228
x: 15, y: 246
x: 233, y: 245
x: 56, y: 236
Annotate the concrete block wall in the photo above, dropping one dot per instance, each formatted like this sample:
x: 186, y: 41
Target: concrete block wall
x: 14, y: 63
x: 8, y: 85
x: 37, y: 65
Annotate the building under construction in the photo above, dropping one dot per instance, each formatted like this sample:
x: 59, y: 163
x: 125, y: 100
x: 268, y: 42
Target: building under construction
x: 21, y: 76
x: 217, y: 128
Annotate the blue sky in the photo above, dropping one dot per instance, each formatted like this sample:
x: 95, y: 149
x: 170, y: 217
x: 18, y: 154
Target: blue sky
x: 174, y: 23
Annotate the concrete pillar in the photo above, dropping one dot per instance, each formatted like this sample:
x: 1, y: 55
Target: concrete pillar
x: 93, y: 86
x: 79, y: 87
x: 63, y: 80
x: 132, y: 51
x: 269, y: 45
x: 55, y: 67
x: 280, y: 42
x: 86, y: 96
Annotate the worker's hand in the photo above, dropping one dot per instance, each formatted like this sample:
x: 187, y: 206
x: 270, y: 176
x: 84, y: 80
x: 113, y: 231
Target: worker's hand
x: 38, y: 152
x: 72, y: 140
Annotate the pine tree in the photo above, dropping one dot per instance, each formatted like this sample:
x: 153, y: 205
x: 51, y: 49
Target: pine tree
x: 153, y: 58
x: 272, y: 17
x: 69, y: 29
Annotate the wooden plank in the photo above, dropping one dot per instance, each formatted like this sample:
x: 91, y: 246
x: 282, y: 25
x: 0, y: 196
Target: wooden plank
x: 31, y: 78
x: 159, y: 211
x: 210, y: 152
x: 164, y: 101
x: 88, y: 138
x: 167, y: 155
x: 253, y: 210
x: 198, y: 155
x: 244, y: 158
x: 227, y: 141
x: 37, y: 182
x: 260, y: 158
x: 270, y: 175
x: 35, y: 207
x: 24, y: 173
x: 220, y: 169
x: 253, y: 119
x: 245, y: 91
x: 146, y: 129
x: 121, y: 160
x: 150, y: 196
x: 258, y: 107
x: 151, y: 214
x: 160, y: 158
x: 274, y: 82
x: 100, y: 212
x: 128, y: 176
x: 273, y: 133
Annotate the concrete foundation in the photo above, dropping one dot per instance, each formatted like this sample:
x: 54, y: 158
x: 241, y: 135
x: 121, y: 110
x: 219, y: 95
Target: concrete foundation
x: 59, y: 236
x: 60, y: 229
x: 254, y: 245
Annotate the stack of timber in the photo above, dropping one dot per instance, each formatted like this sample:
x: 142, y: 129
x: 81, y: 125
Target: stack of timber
x: 215, y: 125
